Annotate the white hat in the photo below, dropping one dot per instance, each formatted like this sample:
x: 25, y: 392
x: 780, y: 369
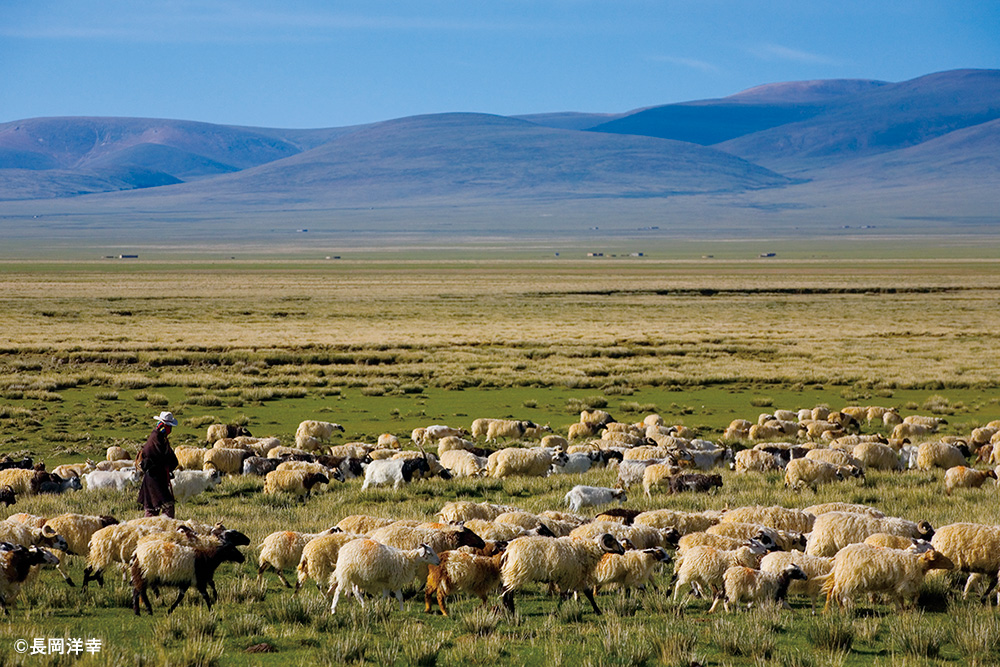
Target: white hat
x: 166, y: 418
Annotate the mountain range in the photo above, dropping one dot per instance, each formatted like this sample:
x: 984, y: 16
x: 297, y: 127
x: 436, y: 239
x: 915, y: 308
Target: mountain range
x: 787, y: 156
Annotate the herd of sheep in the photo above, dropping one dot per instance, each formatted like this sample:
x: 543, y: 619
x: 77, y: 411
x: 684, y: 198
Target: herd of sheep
x: 737, y: 556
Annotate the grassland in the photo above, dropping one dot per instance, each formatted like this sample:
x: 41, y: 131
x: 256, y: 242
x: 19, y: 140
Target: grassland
x: 385, y: 343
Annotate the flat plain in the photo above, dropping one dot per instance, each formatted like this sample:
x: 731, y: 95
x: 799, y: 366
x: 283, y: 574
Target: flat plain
x: 388, y: 341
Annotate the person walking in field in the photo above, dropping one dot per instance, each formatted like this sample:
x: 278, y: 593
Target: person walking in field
x: 157, y: 462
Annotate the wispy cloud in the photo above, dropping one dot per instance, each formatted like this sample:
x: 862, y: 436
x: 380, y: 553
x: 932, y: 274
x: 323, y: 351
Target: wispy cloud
x: 780, y: 52
x: 690, y: 63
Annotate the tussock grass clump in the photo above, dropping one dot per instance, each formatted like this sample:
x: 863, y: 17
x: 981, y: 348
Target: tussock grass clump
x: 911, y: 633
x: 831, y: 632
x: 740, y: 636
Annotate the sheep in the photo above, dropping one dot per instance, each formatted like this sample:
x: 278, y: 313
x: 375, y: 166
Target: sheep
x: 313, y: 432
x: 295, y: 482
x: 631, y: 472
x: 754, y: 460
x: 387, y: 441
x: 16, y: 562
x: 121, y: 464
x: 815, y: 568
x: 282, y: 550
x: 576, y: 463
x: 531, y: 462
x: 446, y: 538
x: 480, y: 427
x: 555, y: 442
x: 112, y: 545
x: 744, y: 584
x: 27, y: 535
x: 304, y: 466
x: 581, y: 496
x: 855, y: 508
x: 641, y: 537
x: 452, y: 442
x: 24, y: 463
x: 567, y: 562
x: 724, y: 542
x: 657, y: 474
x: 632, y: 569
x: 259, y: 465
x: 876, y: 456
x: 22, y: 482
x: 363, y: 523
x: 581, y: 430
x: 939, y: 455
x: 806, y: 472
x: 116, y: 453
x: 367, y: 565
x: 907, y: 432
x: 228, y: 461
x: 462, y: 463
x: 833, y: 531
x: 397, y: 471
x: 437, y: 431
x: 974, y: 548
x: 111, y: 480
x: 861, y: 568
x: 76, y: 530
x: 462, y: 510
x: 68, y: 470
x: 189, y: 483
x: 780, y: 518
x: 783, y: 539
x: 966, y: 478
x: 890, y: 541
x: 159, y: 562
x: 319, y: 559
x: 190, y: 458
x: 7, y: 495
x: 434, y: 467
x: 56, y: 485
x: 684, y: 522
x: 508, y: 429
x: 705, y: 567
x: 219, y: 431
x: 697, y: 482
x: 460, y: 571
x: 837, y: 457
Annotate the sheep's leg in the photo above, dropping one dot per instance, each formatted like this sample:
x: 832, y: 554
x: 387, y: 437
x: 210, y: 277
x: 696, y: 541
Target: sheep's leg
x: 507, y: 598
x: 180, y: 596
x: 359, y: 596
x: 593, y: 602
x: 715, y: 603
x: 281, y: 575
x: 399, y: 596
x: 61, y: 567
x: 203, y: 589
x: 336, y: 598
x: 90, y: 574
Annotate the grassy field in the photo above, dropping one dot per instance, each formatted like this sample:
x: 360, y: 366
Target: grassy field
x: 91, y: 350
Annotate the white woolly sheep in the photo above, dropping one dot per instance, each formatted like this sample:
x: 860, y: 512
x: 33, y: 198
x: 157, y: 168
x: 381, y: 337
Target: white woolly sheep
x: 457, y: 511
x: 480, y: 427
x: 296, y: 482
x: 508, y: 429
x: 641, y: 537
x: 452, y: 442
x: 704, y: 567
x: 656, y: 475
x: 815, y: 568
x: 76, y: 530
x: 555, y: 442
x: 190, y: 458
x: 319, y: 559
x: 632, y: 569
x: 461, y: 572
x: 833, y: 531
x: 974, y: 548
x: 837, y: 457
x: 683, y: 522
x: 227, y: 461
x: 387, y: 441
x: 576, y: 463
x: 462, y: 463
x: 68, y: 470
x: 581, y: 430
x: 581, y: 496
x: 939, y: 455
x: 282, y: 550
x: 754, y: 460
x: 116, y: 453
x: 780, y: 518
x: 189, y: 483
x: 435, y: 432
x: 310, y: 431
x: 744, y: 584
x: 783, y: 539
x: 567, y: 562
x: 806, y: 472
x: 530, y: 462
x: 890, y: 541
x: 861, y: 568
x: 630, y: 472
x: 111, y: 480
x: 876, y: 456
x: 903, y: 432
x: 824, y: 508
x: 367, y: 566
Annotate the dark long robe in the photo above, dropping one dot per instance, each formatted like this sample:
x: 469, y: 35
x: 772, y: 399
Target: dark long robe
x: 157, y: 460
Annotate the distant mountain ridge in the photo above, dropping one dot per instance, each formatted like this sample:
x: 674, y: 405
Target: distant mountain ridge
x: 778, y: 148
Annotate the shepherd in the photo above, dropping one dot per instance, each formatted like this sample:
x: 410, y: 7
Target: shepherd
x: 157, y: 462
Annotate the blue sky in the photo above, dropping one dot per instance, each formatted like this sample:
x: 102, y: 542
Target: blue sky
x: 307, y: 64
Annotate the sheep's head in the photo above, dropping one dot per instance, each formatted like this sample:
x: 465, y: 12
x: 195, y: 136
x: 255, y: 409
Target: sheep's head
x: 793, y: 571
x: 935, y: 560
x: 427, y: 555
x: 610, y: 544
x: 619, y: 494
x: 467, y: 538
x: 925, y: 530
x: 659, y: 553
